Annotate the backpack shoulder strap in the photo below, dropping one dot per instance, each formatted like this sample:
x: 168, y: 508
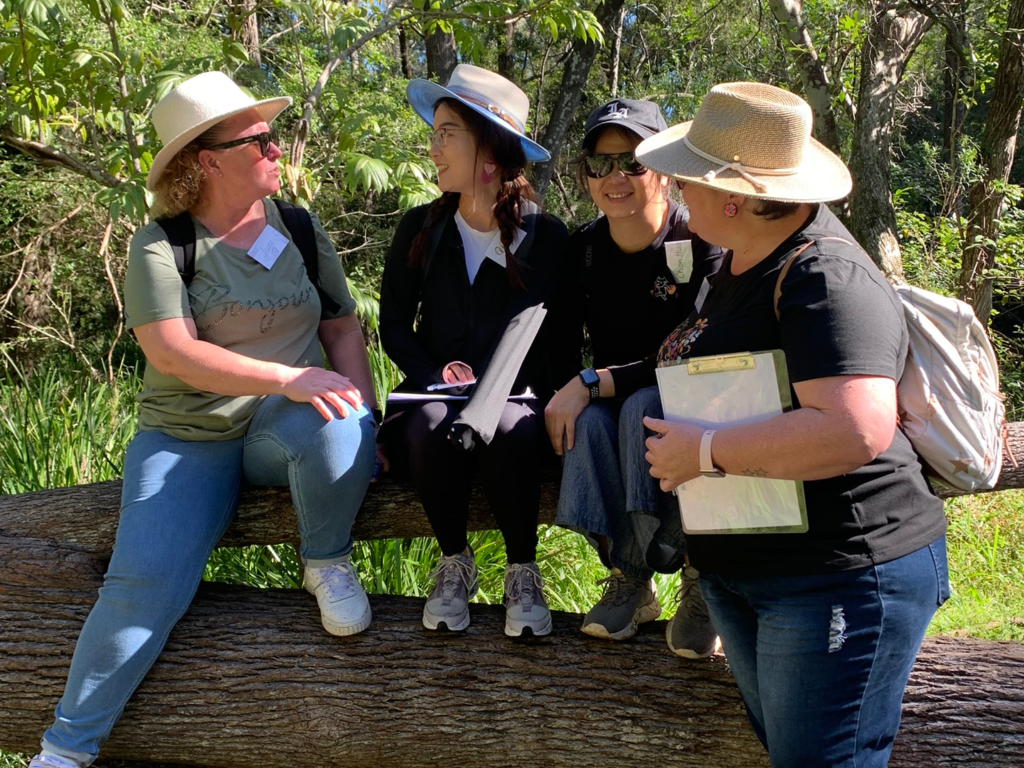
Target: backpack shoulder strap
x: 181, y: 234
x: 789, y: 262
x: 300, y: 226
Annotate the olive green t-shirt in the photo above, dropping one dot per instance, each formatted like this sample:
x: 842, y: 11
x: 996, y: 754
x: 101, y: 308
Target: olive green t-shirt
x: 237, y: 303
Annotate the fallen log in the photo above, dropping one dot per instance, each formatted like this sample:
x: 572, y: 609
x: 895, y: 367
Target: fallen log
x: 265, y: 515
x: 248, y: 676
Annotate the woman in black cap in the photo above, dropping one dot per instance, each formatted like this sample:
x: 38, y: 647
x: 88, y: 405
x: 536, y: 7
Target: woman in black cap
x: 633, y: 275
x: 457, y: 273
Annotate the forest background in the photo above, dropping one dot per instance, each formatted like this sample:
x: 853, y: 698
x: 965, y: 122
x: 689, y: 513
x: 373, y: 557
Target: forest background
x: 921, y: 99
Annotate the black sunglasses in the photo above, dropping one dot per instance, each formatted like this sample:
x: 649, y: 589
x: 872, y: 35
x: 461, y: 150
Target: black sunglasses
x: 599, y: 166
x: 265, y: 139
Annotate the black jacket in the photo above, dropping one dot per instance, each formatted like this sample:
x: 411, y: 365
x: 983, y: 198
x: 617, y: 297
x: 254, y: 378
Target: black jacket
x: 429, y: 321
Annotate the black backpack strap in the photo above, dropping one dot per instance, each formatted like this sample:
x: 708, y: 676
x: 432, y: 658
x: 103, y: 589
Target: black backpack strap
x: 181, y: 234
x: 300, y: 226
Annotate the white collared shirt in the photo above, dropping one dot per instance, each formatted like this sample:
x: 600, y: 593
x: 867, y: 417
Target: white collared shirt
x: 478, y: 246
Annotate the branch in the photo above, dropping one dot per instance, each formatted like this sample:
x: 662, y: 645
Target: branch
x: 53, y: 156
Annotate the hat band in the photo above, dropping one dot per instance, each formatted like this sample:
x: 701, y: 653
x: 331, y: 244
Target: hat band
x: 742, y: 170
x: 494, y: 109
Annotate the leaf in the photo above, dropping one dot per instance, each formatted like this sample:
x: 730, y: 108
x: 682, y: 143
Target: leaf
x: 366, y: 172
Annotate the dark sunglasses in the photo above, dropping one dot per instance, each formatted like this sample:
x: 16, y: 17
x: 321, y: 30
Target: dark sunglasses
x: 599, y: 166
x: 264, y: 139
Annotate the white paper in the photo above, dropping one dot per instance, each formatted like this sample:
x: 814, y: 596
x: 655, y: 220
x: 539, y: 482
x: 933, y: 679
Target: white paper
x: 734, y: 503
x: 268, y: 246
x: 428, y: 397
x: 679, y: 258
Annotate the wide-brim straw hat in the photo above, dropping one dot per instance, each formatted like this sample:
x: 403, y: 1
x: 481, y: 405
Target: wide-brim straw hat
x: 753, y: 140
x: 196, y: 105
x: 485, y: 92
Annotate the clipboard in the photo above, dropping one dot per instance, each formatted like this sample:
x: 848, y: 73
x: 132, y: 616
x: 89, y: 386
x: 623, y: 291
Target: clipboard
x: 726, y: 391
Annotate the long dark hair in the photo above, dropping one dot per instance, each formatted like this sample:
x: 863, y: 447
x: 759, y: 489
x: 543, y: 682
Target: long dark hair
x: 505, y: 150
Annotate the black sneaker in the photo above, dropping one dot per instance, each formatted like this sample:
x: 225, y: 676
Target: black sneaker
x: 626, y: 603
x: 690, y: 633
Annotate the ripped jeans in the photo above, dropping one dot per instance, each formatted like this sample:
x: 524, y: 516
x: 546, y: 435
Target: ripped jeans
x: 822, y: 661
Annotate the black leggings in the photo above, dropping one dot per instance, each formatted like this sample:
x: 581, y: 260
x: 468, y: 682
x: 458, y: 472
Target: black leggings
x: 509, y: 469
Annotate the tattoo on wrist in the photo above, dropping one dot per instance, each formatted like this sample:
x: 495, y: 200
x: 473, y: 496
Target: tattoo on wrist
x: 755, y: 472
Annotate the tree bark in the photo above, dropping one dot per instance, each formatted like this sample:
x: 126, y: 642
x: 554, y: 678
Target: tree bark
x: 248, y: 29
x: 507, y: 54
x: 249, y: 673
x: 403, y: 47
x: 441, y: 53
x: 893, y: 34
x: 265, y: 515
x: 998, y: 146
x: 616, y: 53
x: 574, y: 79
x: 812, y: 72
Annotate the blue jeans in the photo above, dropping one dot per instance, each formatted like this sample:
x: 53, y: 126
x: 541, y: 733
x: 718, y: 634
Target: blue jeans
x: 607, y: 489
x: 822, y: 661
x: 177, y: 500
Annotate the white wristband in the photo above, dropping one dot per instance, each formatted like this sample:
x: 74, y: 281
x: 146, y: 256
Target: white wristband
x: 707, y: 466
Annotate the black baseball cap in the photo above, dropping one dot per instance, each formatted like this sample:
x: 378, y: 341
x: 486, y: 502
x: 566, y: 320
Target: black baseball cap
x: 643, y: 118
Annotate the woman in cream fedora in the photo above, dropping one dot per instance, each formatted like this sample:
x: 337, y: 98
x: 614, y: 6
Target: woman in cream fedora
x: 457, y: 272
x: 234, y: 389
x: 821, y: 627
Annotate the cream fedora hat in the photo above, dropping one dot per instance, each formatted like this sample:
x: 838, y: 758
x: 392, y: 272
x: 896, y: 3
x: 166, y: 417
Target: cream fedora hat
x: 750, y: 139
x: 194, y: 106
x: 483, y: 91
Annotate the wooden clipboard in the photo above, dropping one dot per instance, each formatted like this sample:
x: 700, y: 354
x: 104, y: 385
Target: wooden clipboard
x: 724, y: 391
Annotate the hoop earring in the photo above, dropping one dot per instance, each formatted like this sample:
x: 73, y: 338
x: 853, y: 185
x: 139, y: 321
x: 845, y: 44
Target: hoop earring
x: 731, y: 210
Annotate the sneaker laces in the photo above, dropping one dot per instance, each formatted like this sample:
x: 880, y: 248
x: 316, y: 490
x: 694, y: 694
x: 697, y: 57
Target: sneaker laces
x: 523, y: 584
x: 451, y: 571
x: 338, y: 580
x: 619, y: 589
x: 688, y: 596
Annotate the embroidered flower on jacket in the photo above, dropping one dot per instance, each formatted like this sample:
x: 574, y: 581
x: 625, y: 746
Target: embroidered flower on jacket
x: 680, y: 340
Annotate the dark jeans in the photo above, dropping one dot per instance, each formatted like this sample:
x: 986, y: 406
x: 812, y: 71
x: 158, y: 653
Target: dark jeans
x: 509, y: 469
x: 822, y: 661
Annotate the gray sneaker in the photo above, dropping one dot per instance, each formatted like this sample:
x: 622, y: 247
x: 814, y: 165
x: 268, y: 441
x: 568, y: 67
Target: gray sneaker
x: 626, y: 603
x: 456, y: 585
x: 690, y: 633
x: 526, y: 610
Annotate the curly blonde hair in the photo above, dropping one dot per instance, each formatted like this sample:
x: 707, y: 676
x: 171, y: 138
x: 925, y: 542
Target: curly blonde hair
x: 181, y: 187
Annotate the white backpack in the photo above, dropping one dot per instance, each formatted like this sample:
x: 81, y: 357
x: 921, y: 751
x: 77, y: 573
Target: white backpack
x: 948, y: 400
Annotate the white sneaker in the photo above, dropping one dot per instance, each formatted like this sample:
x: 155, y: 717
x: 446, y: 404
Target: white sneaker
x: 52, y: 761
x: 525, y: 607
x: 344, y: 609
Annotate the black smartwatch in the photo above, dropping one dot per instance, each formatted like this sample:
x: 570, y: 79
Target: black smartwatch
x: 592, y: 382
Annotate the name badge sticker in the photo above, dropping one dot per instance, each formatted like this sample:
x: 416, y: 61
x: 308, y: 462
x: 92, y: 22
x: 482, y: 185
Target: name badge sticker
x: 704, y: 288
x: 268, y: 246
x: 679, y: 259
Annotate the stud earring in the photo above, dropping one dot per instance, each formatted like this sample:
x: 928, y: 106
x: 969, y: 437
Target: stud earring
x: 731, y: 210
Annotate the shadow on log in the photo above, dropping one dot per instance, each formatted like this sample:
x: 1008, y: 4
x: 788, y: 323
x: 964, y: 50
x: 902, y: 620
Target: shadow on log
x: 249, y: 677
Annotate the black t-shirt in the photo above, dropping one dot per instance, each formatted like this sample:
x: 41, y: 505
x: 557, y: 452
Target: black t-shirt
x: 628, y: 302
x: 837, y: 316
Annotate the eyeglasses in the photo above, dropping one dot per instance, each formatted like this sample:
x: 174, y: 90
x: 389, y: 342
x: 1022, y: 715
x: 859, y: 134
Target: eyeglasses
x: 264, y: 139
x: 599, y: 166
x: 439, y: 138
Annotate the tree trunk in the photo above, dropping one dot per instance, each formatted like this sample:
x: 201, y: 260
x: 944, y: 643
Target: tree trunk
x: 574, y: 79
x: 616, y: 57
x: 248, y: 31
x: 249, y: 676
x: 441, y: 53
x: 812, y: 72
x: 507, y: 54
x: 998, y: 146
x: 403, y: 47
x: 893, y: 34
x: 954, y: 87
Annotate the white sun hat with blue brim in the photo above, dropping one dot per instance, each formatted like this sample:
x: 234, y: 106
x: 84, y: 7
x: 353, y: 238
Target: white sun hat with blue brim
x: 485, y: 92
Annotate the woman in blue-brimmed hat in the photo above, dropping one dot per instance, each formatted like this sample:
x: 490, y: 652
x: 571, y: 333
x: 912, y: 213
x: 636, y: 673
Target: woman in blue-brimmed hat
x: 458, y: 272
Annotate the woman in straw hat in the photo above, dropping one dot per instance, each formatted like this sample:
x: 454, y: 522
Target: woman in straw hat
x: 456, y: 274
x: 633, y: 275
x: 234, y: 389
x: 821, y: 628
